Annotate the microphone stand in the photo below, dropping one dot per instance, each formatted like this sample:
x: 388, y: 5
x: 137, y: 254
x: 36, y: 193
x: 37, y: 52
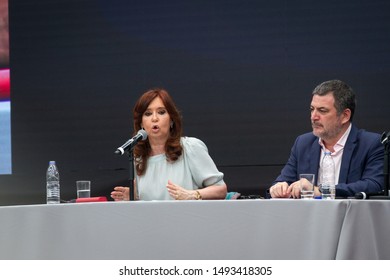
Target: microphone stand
x: 385, y: 141
x: 131, y: 171
x: 129, y: 146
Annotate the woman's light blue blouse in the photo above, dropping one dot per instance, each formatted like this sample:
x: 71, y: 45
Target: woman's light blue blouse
x: 193, y: 170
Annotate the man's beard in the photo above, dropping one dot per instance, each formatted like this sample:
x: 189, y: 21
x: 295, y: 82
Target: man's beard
x: 328, y: 134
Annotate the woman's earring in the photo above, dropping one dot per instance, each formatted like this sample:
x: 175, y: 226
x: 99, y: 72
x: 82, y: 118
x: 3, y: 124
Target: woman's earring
x: 171, y: 124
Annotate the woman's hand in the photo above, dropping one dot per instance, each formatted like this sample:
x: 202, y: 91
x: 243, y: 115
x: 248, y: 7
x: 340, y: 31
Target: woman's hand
x: 121, y: 193
x: 180, y: 193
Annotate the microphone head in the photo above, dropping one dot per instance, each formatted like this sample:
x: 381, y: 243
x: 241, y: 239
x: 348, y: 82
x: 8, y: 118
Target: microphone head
x: 143, y: 134
x: 385, y: 137
x: 119, y: 151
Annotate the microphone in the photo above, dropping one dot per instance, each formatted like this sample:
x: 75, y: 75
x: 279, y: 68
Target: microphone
x: 385, y: 137
x: 377, y: 195
x: 141, y: 135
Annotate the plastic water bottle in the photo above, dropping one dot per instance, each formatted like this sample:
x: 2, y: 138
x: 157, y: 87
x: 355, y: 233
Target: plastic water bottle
x: 328, y: 177
x: 52, y: 184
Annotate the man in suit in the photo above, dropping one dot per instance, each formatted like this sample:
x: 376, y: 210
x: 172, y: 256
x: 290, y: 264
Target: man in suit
x: 358, y: 154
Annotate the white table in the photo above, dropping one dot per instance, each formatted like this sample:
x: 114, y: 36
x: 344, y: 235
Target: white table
x: 226, y: 229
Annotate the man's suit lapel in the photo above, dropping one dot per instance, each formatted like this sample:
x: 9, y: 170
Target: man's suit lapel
x: 347, y: 154
x: 315, y: 153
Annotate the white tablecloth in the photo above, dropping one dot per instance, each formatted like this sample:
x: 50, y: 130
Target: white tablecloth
x: 226, y: 229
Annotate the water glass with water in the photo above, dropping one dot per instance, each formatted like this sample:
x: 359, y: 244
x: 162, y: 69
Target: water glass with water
x: 83, y: 189
x: 307, y: 185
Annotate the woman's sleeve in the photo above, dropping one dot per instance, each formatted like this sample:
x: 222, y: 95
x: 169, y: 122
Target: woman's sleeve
x: 203, y: 169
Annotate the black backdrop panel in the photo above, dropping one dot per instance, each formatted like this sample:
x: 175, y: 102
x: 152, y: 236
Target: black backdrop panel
x: 241, y: 72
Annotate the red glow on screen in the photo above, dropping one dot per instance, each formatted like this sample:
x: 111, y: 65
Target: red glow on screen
x: 4, y: 85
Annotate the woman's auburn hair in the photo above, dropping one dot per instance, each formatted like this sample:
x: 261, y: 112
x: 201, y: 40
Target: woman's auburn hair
x: 173, y: 148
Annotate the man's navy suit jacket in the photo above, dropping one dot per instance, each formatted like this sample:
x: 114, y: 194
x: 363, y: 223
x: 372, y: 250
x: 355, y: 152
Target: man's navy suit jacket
x: 361, y: 165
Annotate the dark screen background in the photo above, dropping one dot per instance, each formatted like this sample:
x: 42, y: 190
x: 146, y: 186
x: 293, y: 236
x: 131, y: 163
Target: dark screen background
x: 241, y: 72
